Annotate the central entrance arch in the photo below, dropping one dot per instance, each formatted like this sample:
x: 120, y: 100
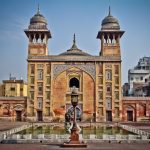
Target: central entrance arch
x: 62, y: 87
x: 74, y: 82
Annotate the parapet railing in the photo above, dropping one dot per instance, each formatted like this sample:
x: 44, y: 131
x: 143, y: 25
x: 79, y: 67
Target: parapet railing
x: 5, y: 134
x: 135, y: 130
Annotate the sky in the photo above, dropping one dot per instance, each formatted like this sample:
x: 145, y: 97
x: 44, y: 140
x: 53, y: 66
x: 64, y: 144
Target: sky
x: 66, y: 17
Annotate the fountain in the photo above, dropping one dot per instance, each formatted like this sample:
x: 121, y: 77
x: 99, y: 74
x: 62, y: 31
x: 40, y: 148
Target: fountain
x: 74, y: 137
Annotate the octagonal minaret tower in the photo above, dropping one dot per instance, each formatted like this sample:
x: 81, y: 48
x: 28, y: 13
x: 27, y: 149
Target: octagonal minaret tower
x: 38, y: 35
x: 110, y: 35
x: 110, y: 76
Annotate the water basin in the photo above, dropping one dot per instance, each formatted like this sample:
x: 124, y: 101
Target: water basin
x: 60, y: 131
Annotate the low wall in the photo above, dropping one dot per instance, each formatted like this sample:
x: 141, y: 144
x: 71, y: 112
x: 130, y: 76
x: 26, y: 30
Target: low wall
x: 135, y: 130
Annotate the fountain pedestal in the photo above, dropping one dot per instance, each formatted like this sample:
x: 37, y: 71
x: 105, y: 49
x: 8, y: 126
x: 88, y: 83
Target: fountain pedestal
x: 74, y: 137
x: 74, y: 140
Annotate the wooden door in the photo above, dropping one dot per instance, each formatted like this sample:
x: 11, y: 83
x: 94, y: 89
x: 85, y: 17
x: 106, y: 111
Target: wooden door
x: 18, y: 115
x: 108, y: 115
x: 129, y: 115
x: 39, y: 116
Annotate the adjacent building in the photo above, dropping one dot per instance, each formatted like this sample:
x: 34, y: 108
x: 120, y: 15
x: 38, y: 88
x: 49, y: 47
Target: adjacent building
x: 143, y: 89
x: 136, y: 93
x: 136, y: 109
x: 13, y: 108
x: 13, y: 88
x: 139, y: 75
x: 13, y: 99
x: 125, y: 89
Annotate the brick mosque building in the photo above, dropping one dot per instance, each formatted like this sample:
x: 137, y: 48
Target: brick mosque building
x: 52, y: 77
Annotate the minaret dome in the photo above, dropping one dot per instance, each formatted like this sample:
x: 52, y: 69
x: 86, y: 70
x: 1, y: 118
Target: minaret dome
x: 38, y: 21
x: 110, y: 22
x: 38, y: 35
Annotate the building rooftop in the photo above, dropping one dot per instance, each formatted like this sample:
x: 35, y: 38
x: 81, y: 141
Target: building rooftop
x: 13, y: 81
x: 128, y: 98
x: 143, y: 64
x: 12, y: 98
x: 75, y: 58
x: 74, y: 50
x: 137, y: 71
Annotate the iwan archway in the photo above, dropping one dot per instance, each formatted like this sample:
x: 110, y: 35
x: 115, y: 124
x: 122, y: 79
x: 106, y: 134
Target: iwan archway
x: 62, y: 87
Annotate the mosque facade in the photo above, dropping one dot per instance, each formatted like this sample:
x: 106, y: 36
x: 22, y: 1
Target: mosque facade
x: 51, y: 78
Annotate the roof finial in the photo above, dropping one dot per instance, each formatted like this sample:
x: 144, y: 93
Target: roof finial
x: 109, y: 11
x: 74, y: 42
x: 38, y: 9
x: 74, y: 39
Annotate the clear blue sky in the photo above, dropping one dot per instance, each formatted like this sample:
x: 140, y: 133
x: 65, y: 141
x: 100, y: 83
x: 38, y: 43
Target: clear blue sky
x: 66, y: 17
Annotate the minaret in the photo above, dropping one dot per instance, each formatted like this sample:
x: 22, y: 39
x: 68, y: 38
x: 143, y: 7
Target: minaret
x: 38, y: 35
x: 110, y: 35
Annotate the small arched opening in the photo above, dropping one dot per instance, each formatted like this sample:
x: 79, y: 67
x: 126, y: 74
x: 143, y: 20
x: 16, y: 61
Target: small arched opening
x: 74, y: 82
x: 131, y: 114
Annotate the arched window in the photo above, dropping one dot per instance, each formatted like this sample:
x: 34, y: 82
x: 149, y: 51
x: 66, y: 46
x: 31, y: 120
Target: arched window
x: 108, y: 75
x: 74, y: 82
x: 108, y: 103
x: 40, y: 103
x: 40, y: 74
x: 108, y: 88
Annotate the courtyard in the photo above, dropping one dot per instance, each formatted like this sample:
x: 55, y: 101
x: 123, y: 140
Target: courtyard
x: 101, y: 145
x: 97, y: 146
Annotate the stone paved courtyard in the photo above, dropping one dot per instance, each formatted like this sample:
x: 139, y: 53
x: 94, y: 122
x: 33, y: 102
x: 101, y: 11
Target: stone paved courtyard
x: 99, y: 146
x: 91, y: 146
